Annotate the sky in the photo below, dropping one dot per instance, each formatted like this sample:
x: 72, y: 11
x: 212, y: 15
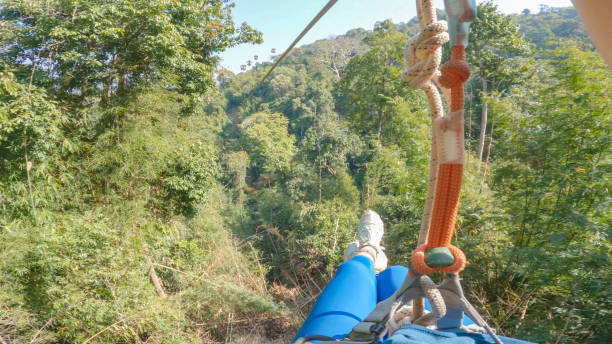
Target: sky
x: 281, y: 21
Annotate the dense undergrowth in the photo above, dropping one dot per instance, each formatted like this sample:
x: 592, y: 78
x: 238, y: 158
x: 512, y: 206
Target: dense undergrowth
x: 145, y: 197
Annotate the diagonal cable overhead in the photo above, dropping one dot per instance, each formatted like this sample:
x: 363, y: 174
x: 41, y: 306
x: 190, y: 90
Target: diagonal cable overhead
x: 312, y: 23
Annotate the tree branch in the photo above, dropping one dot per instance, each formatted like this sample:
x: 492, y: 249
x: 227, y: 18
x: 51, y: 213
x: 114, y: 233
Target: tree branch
x: 155, y: 280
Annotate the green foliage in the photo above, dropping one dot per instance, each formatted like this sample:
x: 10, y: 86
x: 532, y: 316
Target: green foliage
x: 527, y: 222
x: 30, y: 131
x: 553, y: 178
x: 161, y: 156
x: 500, y: 53
x: 267, y: 141
x: 190, y: 176
x: 143, y: 169
x: 328, y: 143
x: 30, y: 121
x: 121, y: 45
x: 493, y: 38
x: 236, y: 164
x: 551, y: 26
x: 98, y: 258
x: 123, y: 176
x: 329, y: 226
x: 87, y: 274
x: 372, y: 83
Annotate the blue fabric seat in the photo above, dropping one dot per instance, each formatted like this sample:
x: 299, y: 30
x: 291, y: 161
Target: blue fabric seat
x: 415, y: 334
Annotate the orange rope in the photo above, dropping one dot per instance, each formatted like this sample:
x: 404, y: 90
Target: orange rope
x: 446, y: 204
x: 455, y: 72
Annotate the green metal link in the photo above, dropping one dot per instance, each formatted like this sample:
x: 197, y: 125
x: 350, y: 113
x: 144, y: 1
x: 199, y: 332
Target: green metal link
x: 439, y: 257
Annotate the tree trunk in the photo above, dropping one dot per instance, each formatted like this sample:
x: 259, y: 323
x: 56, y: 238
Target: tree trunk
x: 381, y: 114
x: 379, y: 131
x: 318, y: 123
x: 154, y: 279
x: 334, y: 68
x: 486, y: 162
x: 106, y: 93
x: 28, y: 168
x: 483, y: 120
x: 121, y: 90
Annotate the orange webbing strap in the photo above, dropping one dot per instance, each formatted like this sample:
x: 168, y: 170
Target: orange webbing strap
x: 455, y: 72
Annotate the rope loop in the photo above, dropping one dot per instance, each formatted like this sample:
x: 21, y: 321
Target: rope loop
x: 423, y: 54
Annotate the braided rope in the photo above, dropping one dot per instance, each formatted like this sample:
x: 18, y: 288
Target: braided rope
x: 402, y: 316
x: 438, y: 307
x: 423, y: 54
x: 446, y: 201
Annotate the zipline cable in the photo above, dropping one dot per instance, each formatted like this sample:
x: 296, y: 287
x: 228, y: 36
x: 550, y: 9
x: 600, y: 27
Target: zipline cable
x: 312, y: 23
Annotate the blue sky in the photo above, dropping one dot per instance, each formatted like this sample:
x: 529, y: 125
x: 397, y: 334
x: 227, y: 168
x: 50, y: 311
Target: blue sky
x: 282, y: 20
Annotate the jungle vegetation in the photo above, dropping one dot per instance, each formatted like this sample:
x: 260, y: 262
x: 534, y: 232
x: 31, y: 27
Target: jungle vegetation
x: 146, y: 196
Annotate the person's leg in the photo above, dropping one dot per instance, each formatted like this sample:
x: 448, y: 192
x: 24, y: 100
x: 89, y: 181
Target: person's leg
x: 351, y: 295
x: 389, y: 280
x: 346, y: 300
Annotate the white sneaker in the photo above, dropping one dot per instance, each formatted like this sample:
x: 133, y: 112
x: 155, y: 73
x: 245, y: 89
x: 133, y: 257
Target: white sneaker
x: 371, y: 230
x: 351, y: 250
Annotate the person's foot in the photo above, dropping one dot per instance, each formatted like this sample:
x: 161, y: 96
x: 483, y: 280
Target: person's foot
x: 371, y: 230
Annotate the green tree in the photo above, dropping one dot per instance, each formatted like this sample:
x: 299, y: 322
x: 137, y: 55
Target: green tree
x: 548, y: 29
x: 327, y: 145
x: 126, y: 221
x: 103, y: 49
x: 267, y: 141
x: 554, y: 180
x: 372, y: 83
x: 493, y: 39
x: 30, y: 134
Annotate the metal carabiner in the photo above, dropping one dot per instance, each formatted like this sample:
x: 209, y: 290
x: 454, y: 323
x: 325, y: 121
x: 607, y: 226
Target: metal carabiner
x: 460, y: 14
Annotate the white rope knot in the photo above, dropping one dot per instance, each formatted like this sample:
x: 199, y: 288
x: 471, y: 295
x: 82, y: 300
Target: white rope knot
x: 423, y: 54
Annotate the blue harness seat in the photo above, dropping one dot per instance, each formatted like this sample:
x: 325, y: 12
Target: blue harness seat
x: 354, y: 292
x: 415, y: 334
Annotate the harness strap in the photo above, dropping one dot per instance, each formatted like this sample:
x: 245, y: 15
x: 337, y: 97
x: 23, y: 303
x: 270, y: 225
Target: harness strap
x: 448, y: 306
